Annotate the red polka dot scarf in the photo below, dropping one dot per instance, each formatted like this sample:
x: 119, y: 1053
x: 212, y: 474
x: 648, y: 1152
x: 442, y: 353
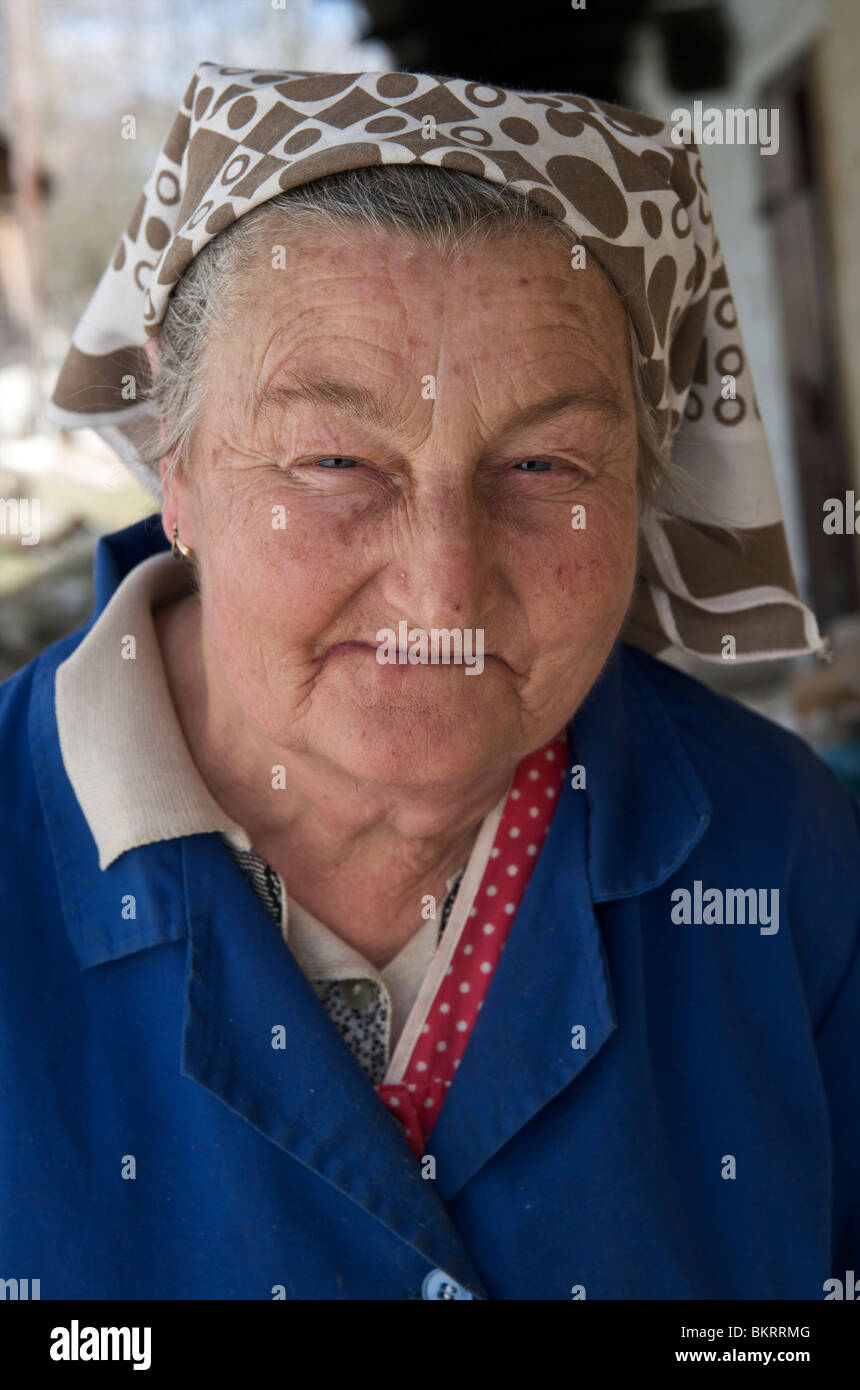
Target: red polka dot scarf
x: 454, y: 1010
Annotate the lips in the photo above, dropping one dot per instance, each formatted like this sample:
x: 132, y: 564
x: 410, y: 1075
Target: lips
x: 354, y: 644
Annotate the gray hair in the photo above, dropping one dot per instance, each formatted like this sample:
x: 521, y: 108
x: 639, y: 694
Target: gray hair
x: 442, y: 208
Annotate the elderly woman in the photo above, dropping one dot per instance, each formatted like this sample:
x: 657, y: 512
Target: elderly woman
x: 384, y: 920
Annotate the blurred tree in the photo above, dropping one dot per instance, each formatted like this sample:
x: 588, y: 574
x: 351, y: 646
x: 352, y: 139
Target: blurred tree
x: 99, y: 62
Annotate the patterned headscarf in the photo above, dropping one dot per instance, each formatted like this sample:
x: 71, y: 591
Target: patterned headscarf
x: 635, y: 200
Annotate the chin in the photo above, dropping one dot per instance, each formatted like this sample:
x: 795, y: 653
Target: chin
x: 418, y: 747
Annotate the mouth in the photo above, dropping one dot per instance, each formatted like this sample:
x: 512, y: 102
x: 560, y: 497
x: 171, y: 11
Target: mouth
x: 354, y: 645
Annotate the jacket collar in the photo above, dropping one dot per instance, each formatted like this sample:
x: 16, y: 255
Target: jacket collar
x: 646, y: 806
x: 123, y: 747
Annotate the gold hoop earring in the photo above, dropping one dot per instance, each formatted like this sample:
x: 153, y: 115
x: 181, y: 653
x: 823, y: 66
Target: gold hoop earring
x: 179, y: 549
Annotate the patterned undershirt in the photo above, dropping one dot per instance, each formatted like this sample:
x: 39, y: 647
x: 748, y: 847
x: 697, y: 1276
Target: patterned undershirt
x: 363, y: 1029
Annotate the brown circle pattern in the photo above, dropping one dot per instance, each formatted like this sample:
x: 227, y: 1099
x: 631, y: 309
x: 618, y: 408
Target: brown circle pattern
x: 652, y: 218
x: 204, y: 96
x: 524, y: 132
x: 466, y: 163
x: 167, y: 188
x: 392, y: 85
x: 637, y: 202
x: 565, y: 122
x: 724, y: 312
x: 145, y: 267
x: 730, y: 411
x: 200, y: 215
x: 157, y: 233
x: 235, y: 169
x: 484, y: 96
x: 472, y: 134
x: 726, y: 368
x: 681, y: 225
x: 302, y: 141
x: 241, y: 112
x: 386, y: 125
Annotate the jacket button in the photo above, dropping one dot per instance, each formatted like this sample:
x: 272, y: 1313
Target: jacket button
x: 439, y: 1285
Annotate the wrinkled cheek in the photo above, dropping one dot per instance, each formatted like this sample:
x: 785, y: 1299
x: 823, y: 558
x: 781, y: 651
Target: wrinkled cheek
x: 270, y: 592
x: 588, y: 586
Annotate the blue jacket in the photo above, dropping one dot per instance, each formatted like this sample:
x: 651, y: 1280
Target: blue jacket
x: 705, y: 1142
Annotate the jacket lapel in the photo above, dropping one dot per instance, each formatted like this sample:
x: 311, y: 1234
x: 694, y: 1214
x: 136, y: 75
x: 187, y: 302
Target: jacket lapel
x: 310, y: 1097
x: 552, y: 976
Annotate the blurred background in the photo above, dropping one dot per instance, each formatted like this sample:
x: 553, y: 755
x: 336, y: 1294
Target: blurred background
x: 73, y: 71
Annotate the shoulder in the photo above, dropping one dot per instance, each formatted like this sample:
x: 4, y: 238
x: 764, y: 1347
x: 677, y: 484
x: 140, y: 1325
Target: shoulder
x: 718, y: 732
x: 778, y: 811
x: 23, y: 686
x: 16, y: 696
x: 28, y: 727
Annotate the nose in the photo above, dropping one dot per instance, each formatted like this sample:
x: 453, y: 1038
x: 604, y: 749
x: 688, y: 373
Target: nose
x: 443, y: 571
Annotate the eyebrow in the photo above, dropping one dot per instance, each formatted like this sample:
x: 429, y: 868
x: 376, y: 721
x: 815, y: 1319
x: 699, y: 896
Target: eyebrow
x: 361, y: 403
x: 321, y: 391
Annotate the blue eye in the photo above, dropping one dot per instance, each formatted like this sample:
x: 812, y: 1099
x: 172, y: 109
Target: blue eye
x: 534, y: 465
x: 336, y: 462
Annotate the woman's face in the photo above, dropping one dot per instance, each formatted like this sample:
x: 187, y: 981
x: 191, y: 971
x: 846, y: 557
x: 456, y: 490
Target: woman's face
x: 391, y: 439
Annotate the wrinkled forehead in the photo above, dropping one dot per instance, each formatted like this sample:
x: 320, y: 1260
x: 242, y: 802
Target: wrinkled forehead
x: 381, y: 338
x: 383, y: 301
